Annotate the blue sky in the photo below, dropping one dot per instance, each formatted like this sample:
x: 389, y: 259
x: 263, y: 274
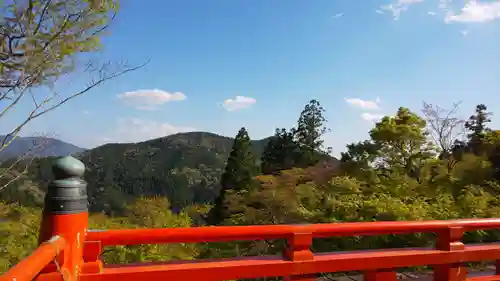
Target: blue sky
x: 277, y: 55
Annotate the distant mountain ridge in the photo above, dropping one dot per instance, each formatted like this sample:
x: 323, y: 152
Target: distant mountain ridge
x: 37, y: 146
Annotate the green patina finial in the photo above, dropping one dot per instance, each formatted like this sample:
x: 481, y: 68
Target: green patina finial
x: 67, y: 194
x: 68, y: 167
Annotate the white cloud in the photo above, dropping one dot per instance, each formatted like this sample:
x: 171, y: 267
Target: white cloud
x: 476, y: 12
x: 338, y: 15
x: 150, y: 99
x: 363, y: 104
x: 464, y: 32
x: 371, y: 117
x: 473, y: 11
x: 137, y: 130
x: 238, y: 103
x: 398, y: 7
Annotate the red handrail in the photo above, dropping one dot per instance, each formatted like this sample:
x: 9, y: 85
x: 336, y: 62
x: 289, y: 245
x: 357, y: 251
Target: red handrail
x: 30, y: 267
x: 262, y: 232
x: 298, y: 260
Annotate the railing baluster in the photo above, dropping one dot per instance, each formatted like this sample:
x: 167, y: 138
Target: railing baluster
x: 450, y: 240
x: 299, y: 249
x: 92, y: 257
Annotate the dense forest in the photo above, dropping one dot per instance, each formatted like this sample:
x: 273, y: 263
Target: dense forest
x: 412, y: 167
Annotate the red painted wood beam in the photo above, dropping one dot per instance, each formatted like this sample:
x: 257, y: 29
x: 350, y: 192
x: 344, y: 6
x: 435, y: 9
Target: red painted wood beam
x: 28, y: 268
x: 263, y: 232
x: 255, y: 267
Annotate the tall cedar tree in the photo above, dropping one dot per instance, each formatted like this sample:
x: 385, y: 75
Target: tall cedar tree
x: 237, y: 177
x: 311, y: 126
x: 477, y: 126
x: 280, y: 153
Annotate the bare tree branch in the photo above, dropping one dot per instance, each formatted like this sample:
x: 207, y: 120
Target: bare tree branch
x: 443, y: 125
x: 31, y: 153
x: 39, y: 110
x: 103, y: 78
x: 39, y: 43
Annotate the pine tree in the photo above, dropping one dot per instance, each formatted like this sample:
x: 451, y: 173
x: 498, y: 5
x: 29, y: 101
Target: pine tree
x: 311, y: 126
x: 237, y: 177
x: 280, y: 153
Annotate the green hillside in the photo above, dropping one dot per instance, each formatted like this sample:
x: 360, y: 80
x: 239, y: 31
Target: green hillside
x: 184, y: 167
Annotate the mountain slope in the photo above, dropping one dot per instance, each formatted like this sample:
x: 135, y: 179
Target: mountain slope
x: 184, y: 167
x: 37, y: 146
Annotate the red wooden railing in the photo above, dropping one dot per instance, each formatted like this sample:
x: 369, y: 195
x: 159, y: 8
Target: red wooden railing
x: 297, y: 262
x: 70, y: 252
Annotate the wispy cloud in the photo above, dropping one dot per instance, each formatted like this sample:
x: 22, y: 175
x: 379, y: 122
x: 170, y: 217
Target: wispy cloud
x: 472, y: 11
x: 371, y: 117
x: 150, y: 99
x: 363, y: 104
x: 137, y: 129
x: 238, y: 103
x: 476, y: 12
x: 131, y: 129
x: 338, y: 15
x: 366, y: 105
x: 398, y: 7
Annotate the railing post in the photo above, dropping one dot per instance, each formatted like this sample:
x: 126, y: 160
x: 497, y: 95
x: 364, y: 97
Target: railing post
x: 299, y: 249
x: 450, y: 240
x: 92, y: 257
x: 65, y: 214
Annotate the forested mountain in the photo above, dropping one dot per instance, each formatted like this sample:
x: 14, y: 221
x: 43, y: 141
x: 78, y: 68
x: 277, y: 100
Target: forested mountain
x: 36, y: 146
x: 184, y: 167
